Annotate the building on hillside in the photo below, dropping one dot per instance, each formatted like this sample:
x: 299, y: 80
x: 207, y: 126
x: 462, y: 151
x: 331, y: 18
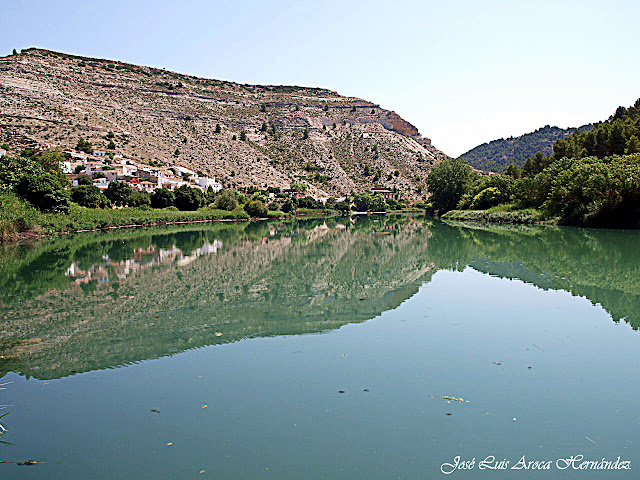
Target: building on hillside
x: 171, y: 183
x: 185, y: 172
x: 66, y: 167
x: 103, y: 152
x: 3, y: 152
x: 385, y: 192
x: 101, y: 183
x: 206, y: 183
x: 147, y: 185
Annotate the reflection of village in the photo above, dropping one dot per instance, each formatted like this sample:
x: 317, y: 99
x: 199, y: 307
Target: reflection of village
x: 105, y: 271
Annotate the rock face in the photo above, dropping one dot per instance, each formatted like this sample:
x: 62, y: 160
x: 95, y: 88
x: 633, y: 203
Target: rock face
x: 334, y: 144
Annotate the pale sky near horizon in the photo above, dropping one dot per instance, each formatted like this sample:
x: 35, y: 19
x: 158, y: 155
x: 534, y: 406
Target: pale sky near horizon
x: 464, y: 72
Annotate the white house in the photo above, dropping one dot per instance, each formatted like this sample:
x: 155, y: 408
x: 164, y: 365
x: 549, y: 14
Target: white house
x: 101, y: 183
x: 206, y: 182
x: 103, y: 152
x: 185, y: 171
x: 65, y: 166
x: 3, y: 152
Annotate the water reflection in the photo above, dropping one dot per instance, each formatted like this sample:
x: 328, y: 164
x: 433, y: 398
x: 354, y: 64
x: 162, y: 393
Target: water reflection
x: 100, y: 300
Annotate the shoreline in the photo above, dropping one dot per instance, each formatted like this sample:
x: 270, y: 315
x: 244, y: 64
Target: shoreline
x: 39, y: 232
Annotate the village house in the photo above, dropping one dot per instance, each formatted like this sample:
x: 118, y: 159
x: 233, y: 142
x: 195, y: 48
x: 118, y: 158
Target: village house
x: 206, y: 183
x: 385, y: 192
x: 101, y: 183
x: 3, y: 152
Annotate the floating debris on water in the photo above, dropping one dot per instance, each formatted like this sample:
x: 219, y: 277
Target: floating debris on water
x: 451, y: 399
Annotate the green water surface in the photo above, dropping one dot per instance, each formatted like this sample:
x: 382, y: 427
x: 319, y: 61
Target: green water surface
x: 221, y: 351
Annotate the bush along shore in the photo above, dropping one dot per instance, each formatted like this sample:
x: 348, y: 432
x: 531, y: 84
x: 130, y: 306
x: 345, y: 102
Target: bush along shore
x: 591, y: 179
x: 37, y: 199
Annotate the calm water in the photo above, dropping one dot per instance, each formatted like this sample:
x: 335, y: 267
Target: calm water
x: 222, y: 349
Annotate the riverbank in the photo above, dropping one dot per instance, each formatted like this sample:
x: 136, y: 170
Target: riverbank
x: 33, y: 224
x: 526, y: 217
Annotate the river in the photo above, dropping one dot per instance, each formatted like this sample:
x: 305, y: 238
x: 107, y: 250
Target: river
x: 376, y: 348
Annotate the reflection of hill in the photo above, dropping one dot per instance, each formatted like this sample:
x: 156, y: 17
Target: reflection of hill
x: 601, y: 265
x: 265, y: 280
x: 270, y: 279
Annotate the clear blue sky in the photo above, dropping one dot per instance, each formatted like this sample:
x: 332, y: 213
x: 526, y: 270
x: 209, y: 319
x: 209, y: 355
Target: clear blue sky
x: 464, y: 72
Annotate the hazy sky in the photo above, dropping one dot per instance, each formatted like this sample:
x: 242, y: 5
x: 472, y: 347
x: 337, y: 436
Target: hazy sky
x: 463, y: 72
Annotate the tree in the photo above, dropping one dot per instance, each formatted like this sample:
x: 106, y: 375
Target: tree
x: 305, y: 134
x: 50, y: 161
x: 489, y: 197
x: 177, y: 152
x: 139, y: 199
x: 243, y: 135
x: 447, y: 183
x: 84, y: 180
x: 13, y: 169
x: 299, y: 187
x: 119, y: 193
x: 288, y: 206
x: 44, y: 192
x: 362, y: 202
x: 162, y: 198
x: 633, y: 145
x: 89, y: 196
x: 79, y: 168
x: 84, y: 146
x: 255, y: 208
x: 263, y: 128
x: 226, y: 200
x: 343, y: 207
x: 188, y: 198
x: 378, y: 204
x: 218, y: 128
x: 15, y: 52
x: 513, y: 171
x: 111, y: 145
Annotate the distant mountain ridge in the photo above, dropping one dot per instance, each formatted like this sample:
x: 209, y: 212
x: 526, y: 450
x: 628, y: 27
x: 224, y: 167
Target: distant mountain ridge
x: 496, y: 155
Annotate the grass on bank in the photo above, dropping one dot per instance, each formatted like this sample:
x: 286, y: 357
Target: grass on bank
x: 17, y: 216
x: 505, y: 213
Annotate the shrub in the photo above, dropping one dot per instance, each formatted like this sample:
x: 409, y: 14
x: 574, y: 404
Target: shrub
x: 489, y: 197
x: 89, y: 196
x: 44, y: 192
x: 362, y: 202
x: 188, y: 198
x: 378, y: 204
x: 162, y: 198
x: 16, y: 215
x: 343, y: 207
x: 255, y: 208
x: 140, y: 199
x: 13, y: 169
x: 226, y: 200
x: 84, y: 146
x: 119, y: 193
x: 84, y: 180
x: 288, y: 206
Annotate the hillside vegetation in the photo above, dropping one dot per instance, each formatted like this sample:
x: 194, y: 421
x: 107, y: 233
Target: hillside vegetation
x: 591, y: 178
x: 497, y: 155
x: 244, y: 135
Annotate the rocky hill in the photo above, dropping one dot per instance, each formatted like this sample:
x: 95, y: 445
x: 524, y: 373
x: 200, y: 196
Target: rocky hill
x: 496, y: 155
x: 314, y: 136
